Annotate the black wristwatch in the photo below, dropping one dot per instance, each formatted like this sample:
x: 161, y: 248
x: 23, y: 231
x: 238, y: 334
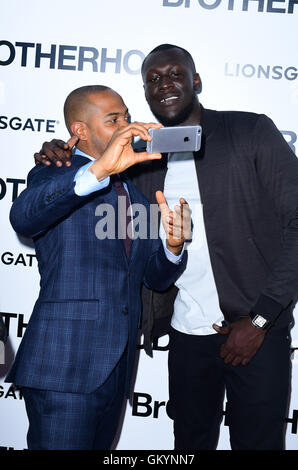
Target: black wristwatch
x: 259, y: 321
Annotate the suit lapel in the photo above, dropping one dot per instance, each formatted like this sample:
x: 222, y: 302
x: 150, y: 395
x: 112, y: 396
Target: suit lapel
x: 134, y: 199
x: 108, y: 196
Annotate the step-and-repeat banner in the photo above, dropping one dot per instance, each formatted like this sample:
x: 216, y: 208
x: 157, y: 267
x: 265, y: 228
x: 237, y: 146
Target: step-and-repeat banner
x: 246, y: 54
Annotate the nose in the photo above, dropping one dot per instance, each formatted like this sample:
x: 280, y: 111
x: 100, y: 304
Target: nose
x: 165, y: 82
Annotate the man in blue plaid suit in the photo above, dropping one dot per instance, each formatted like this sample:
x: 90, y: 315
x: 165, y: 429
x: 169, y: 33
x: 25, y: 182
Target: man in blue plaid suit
x: 76, y: 359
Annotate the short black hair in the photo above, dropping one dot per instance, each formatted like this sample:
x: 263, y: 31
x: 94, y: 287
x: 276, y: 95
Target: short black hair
x: 76, y: 99
x: 164, y: 47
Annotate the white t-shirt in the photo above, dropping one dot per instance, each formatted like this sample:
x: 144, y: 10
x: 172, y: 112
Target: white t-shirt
x: 196, y: 306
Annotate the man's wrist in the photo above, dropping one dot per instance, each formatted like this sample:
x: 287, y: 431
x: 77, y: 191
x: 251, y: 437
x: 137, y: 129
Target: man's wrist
x: 176, y: 259
x: 176, y: 250
x: 259, y: 321
x: 86, y: 182
x: 99, y: 173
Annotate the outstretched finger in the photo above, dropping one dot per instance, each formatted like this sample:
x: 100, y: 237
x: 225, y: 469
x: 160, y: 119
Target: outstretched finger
x: 149, y: 125
x: 183, y: 201
x: 184, y: 205
x: 72, y: 141
x: 160, y: 198
x: 144, y: 156
x: 141, y: 129
x: 166, y: 213
x: 66, y: 156
x: 184, y: 208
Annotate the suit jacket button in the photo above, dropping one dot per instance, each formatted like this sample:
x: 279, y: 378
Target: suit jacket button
x: 125, y: 311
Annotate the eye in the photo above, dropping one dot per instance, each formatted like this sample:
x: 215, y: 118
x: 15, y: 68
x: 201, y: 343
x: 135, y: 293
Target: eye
x: 112, y: 121
x: 175, y: 74
x: 153, y: 79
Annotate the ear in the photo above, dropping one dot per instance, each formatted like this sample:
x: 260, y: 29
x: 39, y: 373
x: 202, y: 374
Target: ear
x: 197, y: 83
x: 79, y: 129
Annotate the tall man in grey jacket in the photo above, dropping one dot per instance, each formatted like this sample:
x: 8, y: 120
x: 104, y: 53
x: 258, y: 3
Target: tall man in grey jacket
x: 231, y: 310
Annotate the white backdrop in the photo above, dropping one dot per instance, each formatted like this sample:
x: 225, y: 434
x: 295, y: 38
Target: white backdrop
x: 246, y: 54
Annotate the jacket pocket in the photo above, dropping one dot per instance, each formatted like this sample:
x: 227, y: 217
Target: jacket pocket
x: 68, y: 309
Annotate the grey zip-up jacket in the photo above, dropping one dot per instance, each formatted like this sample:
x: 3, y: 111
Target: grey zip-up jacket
x: 248, y: 180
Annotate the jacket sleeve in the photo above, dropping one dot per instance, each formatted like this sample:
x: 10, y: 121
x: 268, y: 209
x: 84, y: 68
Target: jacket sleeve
x: 160, y: 272
x: 277, y: 167
x: 49, y: 197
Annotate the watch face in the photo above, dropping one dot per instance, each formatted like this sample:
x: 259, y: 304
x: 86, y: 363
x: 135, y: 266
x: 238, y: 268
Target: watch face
x: 259, y: 321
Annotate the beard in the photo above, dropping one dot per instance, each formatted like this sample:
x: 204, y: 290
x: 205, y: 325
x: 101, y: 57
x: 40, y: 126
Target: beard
x: 178, y: 118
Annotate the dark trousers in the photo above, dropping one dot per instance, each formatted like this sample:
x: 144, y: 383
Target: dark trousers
x: 74, y: 421
x: 257, y: 394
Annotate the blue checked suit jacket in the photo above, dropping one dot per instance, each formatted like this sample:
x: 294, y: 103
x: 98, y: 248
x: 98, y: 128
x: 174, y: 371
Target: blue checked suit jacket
x: 89, y: 303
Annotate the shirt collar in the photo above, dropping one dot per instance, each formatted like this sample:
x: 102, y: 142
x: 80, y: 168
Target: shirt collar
x: 83, y: 154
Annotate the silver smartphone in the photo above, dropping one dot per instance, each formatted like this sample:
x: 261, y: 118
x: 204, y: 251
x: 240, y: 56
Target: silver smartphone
x: 175, y: 139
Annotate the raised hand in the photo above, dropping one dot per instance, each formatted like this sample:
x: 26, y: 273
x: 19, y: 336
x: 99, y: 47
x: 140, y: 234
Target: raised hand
x: 56, y: 151
x: 176, y: 223
x: 119, y: 154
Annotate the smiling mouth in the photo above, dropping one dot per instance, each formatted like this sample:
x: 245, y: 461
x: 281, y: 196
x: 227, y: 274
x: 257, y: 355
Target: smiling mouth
x: 169, y: 99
